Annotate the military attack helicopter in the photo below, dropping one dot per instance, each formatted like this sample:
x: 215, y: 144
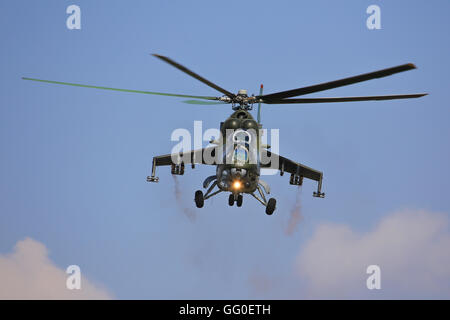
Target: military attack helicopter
x: 239, y: 155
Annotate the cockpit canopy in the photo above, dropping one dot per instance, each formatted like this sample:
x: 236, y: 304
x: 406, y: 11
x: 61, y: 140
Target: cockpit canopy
x: 241, y: 142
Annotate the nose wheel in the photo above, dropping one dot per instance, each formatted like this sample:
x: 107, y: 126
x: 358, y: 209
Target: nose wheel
x: 239, y: 200
x: 232, y: 199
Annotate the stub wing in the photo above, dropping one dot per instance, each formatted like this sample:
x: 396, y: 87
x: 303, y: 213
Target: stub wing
x: 297, y: 170
x: 178, y: 160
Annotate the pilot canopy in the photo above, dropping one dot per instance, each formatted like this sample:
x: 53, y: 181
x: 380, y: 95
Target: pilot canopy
x: 241, y: 147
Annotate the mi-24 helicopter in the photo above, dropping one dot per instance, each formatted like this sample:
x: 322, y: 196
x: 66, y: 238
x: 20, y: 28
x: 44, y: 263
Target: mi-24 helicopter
x: 238, y: 154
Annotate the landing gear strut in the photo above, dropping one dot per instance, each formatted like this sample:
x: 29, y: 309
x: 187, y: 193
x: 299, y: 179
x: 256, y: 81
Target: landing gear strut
x: 200, y: 197
x: 271, y: 204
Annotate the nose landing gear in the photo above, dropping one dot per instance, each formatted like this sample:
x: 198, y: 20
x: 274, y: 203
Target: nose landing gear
x: 238, y: 199
x: 231, y: 200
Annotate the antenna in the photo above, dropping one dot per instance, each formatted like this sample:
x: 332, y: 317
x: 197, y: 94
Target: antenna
x: 259, y: 104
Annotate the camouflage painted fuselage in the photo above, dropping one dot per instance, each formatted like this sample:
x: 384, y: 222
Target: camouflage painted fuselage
x: 239, y: 171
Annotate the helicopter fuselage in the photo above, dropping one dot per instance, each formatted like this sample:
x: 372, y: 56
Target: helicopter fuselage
x: 240, y: 170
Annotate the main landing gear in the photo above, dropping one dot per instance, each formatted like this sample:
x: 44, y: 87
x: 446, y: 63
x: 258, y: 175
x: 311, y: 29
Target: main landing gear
x: 210, y: 183
x: 271, y: 205
x: 199, y: 199
x: 263, y: 188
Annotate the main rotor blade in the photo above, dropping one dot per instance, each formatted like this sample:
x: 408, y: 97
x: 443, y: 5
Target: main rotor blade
x: 337, y: 83
x: 205, y: 103
x: 193, y: 74
x: 123, y: 90
x: 346, y: 99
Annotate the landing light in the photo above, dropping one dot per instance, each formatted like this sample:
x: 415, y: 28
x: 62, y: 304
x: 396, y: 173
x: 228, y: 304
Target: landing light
x: 237, y: 184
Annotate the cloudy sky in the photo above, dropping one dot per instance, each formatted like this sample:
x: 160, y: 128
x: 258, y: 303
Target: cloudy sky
x: 74, y: 161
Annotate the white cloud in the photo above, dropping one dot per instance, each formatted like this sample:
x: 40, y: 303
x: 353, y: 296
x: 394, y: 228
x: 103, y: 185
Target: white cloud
x: 412, y: 248
x: 28, y: 273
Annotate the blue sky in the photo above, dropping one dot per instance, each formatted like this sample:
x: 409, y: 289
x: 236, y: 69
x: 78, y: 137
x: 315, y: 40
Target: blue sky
x: 74, y: 160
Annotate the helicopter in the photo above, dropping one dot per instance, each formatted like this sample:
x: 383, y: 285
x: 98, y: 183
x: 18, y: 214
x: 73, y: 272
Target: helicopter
x: 239, y: 154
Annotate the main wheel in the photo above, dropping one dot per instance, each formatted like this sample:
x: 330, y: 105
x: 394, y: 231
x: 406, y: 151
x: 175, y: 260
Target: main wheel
x: 271, y: 205
x: 199, y: 199
x: 239, y: 200
x: 231, y: 199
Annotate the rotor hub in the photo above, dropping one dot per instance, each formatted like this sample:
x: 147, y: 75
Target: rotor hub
x: 242, y: 92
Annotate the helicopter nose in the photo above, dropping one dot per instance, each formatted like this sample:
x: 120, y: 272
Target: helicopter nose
x: 236, y: 173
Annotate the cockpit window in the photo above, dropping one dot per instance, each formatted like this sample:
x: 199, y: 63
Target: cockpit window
x: 241, y: 140
x: 241, y: 147
x: 241, y: 136
x: 240, y: 154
